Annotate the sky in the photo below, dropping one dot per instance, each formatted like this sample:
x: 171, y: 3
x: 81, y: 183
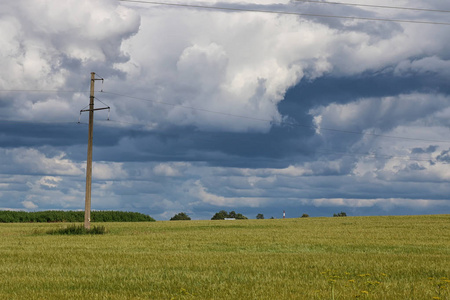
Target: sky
x: 214, y: 109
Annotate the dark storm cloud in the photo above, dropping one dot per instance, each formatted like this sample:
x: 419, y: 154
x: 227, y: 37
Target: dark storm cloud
x: 308, y: 94
x: 29, y: 134
x: 276, y: 148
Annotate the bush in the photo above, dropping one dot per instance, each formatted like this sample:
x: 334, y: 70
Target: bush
x: 78, y: 229
x: 259, y: 216
x: 305, y: 216
x: 180, y: 217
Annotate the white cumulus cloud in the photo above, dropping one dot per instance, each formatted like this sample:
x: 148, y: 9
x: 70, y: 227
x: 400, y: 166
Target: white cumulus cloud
x: 29, y: 205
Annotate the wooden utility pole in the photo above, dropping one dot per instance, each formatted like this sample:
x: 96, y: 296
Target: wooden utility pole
x: 87, y: 203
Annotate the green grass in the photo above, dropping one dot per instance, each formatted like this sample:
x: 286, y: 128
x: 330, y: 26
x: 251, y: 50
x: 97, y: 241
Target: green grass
x: 404, y: 257
x: 77, y: 230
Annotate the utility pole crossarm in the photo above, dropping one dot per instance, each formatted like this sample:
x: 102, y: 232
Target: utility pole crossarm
x: 83, y: 110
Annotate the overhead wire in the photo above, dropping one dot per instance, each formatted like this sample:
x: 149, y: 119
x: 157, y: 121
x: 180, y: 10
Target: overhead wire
x: 248, y: 139
x: 40, y: 91
x: 373, y: 155
x: 37, y: 122
x: 106, y: 123
x: 285, y: 12
x: 375, y: 6
x: 245, y: 117
x: 277, y: 122
x: 103, y: 122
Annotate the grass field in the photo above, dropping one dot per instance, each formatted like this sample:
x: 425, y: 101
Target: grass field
x: 403, y: 257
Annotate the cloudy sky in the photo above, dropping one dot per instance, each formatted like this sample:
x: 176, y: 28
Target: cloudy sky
x: 217, y: 109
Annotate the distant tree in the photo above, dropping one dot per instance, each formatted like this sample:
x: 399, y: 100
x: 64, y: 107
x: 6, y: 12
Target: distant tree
x: 272, y: 218
x: 180, y: 216
x: 224, y: 214
x: 220, y: 215
x: 259, y: 216
x: 305, y: 216
x: 341, y: 214
x: 241, y: 217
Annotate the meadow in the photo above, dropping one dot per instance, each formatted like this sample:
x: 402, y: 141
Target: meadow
x: 398, y: 257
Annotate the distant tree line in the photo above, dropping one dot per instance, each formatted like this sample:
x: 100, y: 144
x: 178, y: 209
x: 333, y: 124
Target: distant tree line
x: 71, y: 216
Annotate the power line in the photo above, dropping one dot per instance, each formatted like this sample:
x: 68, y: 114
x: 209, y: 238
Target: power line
x: 371, y: 155
x: 189, y: 107
x: 232, y: 115
x: 105, y: 123
x: 284, y: 12
x: 277, y: 122
x: 315, y: 151
x: 34, y: 122
x: 41, y: 91
x: 121, y: 122
x: 376, y: 6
